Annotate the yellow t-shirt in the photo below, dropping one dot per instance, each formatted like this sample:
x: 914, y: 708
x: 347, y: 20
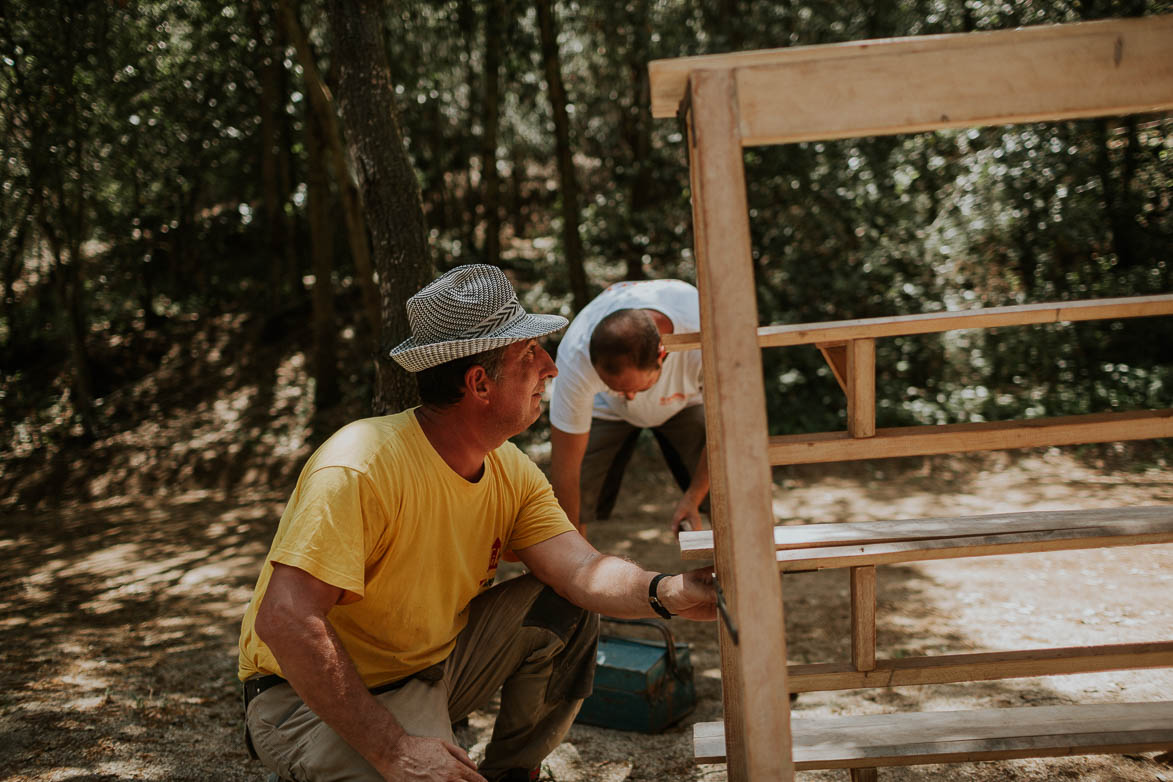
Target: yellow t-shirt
x: 378, y: 513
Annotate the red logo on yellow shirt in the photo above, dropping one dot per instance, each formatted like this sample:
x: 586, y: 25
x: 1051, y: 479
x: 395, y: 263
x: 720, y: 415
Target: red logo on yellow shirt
x: 494, y: 558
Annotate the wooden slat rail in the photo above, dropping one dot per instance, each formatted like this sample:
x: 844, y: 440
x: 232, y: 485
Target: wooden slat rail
x: 1109, y: 536
x: 953, y: 530
x: 931, y: 439
x: 937, y: 322
x: 982, y: 666
x: 958, y: 736
x: 907, y: 85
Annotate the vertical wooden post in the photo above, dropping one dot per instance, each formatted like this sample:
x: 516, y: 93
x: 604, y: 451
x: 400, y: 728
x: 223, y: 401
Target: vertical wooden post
x: 861, y: 387
x: 757, y: 706
x: 863, y: 637
x: 863, y: 617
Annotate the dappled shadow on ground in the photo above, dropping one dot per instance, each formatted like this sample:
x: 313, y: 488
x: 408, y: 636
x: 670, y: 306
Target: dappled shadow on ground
x: 119, y: 637
x: 121, y: 617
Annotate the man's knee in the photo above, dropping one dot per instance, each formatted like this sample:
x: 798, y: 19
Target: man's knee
x: 578, y: 632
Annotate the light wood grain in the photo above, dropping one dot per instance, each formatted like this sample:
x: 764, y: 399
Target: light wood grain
x: 945, y: 737
x: 937, y: 322
x: 669, y: 77
x: 861, y: 388
x: 962, y: 438
x: 736, y: 429
x: 1107, y: 536
x: 983, y: 666
x: 863, y: 617
x: 905, y: 85
x: 699, y: 544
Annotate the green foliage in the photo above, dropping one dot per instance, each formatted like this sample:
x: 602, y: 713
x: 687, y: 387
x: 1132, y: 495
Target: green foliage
x: 134, y: 133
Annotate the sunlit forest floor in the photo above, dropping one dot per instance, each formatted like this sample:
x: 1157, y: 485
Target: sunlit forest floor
x: 121, y: 618
x: 128, y: 567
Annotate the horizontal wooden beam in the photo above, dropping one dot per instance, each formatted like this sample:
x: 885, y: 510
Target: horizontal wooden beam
x: 907, y: 85
x: 698, y: 544
x: 910, y: 738
x: 936, y: 322
x: 961, y: 438
x: 985, y: 666
x: 1108, y: 536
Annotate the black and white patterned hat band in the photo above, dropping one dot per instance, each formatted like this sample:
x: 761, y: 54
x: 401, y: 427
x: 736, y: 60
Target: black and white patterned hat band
x: 465, y: 311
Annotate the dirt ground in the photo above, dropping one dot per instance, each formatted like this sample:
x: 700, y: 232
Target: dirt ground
x: 118, y: 621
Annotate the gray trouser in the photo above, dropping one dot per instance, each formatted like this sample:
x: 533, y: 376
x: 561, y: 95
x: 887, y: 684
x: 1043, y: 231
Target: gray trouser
x: 521, y: 636
x: 611, y: 444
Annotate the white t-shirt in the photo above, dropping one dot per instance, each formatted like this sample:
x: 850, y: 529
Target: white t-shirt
x: 580, y: 394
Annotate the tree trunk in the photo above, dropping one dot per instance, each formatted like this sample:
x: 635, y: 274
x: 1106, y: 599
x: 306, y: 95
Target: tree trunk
x: 321, y: 251
x: 67, y: 279
x: 1119, y: 205
x: 269, y: 77
x: 386, y: 180
x: 572, y: 242
x: 356, y: 226
x: 517, y: 192
x: 490, y: 112
x: 467, y: 19
x: 636, y: 129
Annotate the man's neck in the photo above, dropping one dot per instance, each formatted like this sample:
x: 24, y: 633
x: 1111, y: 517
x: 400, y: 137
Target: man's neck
x: 662, y: 321
x: 456, y: 439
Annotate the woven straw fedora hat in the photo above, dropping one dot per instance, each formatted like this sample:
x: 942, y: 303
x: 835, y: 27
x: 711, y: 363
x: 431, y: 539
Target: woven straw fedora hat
x: 466, y: 311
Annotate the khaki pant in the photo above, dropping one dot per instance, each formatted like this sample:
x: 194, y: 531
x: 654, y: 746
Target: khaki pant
x: 611, y: 444
x: 521, y: 636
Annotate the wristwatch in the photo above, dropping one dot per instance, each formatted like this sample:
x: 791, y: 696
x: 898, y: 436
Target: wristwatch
x: 654, y: 599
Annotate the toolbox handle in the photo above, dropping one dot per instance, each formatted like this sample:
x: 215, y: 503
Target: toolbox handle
x: 664, y: 631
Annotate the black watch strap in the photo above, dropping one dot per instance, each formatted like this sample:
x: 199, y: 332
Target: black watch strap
x: 654, y: 600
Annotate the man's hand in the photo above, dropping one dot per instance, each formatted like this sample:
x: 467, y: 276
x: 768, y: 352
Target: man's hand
x: 692, y: 595
x: 686, y: 516
x: 418, y: 758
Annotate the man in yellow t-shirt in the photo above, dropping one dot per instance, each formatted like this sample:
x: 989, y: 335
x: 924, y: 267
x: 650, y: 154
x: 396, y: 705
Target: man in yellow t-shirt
x: 374, y: 623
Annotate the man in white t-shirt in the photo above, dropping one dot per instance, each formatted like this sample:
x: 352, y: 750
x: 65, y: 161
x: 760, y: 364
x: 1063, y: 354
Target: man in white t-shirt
x: 614, y: 380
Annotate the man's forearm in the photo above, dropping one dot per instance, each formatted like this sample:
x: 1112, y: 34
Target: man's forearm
x: 566, y: 489
x: 612, y: 586
x: 316, y: 664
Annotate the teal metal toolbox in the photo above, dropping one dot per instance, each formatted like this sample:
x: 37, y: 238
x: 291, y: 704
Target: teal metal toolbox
x: 640, y: 685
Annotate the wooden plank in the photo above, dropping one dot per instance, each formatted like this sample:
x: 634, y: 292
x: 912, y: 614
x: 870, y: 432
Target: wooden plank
x: 937, y: 322
x: 863, y: 617
x: 909, y: 85
x: 861, y: 388
x: 1005, y: 77
x: 961, y: 438
x: 736, y: 415
x: 959, y: 736
x: 1122, y: 534
x: 983, y: 666
x: 669, y: 77
x: 699, y: 544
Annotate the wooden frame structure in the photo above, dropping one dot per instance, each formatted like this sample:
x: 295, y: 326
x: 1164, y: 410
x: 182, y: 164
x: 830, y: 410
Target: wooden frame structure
x: 729, y: 102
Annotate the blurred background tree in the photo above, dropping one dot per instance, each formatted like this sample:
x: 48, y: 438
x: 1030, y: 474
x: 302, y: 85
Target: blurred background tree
x: 182, y: 182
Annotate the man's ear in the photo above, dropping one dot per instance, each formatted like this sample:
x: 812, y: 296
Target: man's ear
x: 477, y: 382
